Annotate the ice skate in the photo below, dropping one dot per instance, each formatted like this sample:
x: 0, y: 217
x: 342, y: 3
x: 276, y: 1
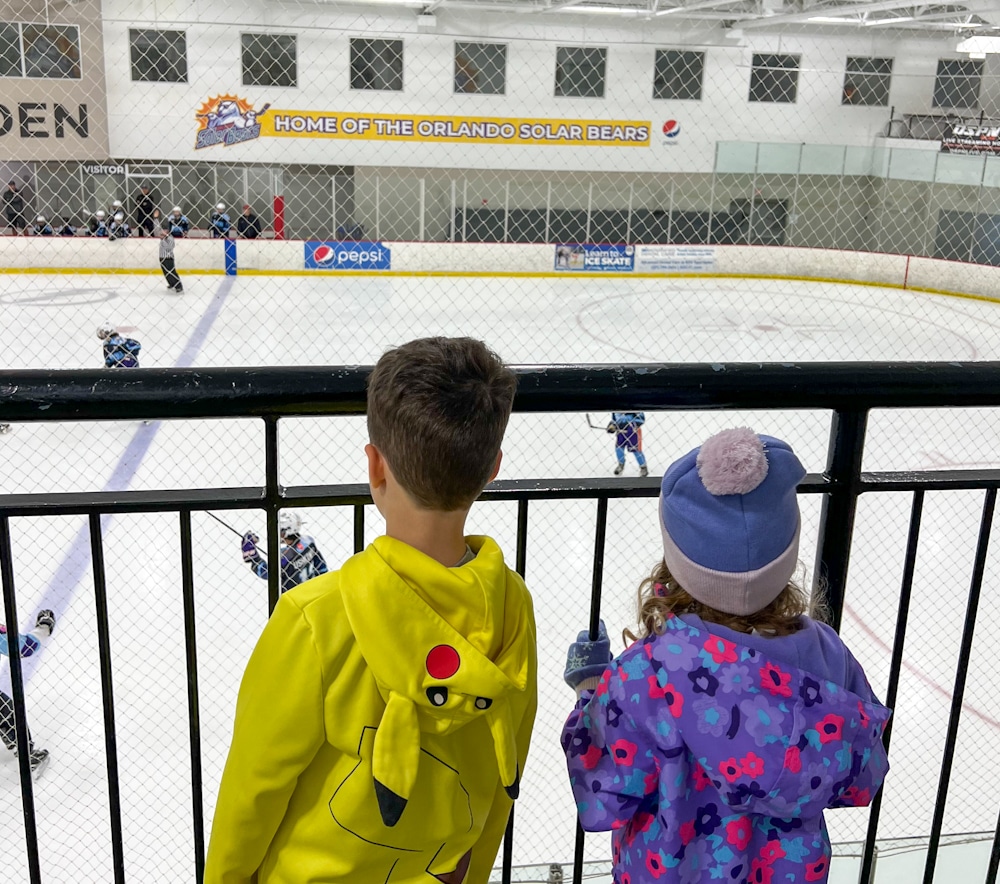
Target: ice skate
x: 619, y: 469
x: 39, y: 760
x: 643, y: 471
x: 4, y: 429
x: 178, y: 288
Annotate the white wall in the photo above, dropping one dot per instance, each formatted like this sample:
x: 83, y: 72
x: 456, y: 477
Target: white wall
x: 156, y: 121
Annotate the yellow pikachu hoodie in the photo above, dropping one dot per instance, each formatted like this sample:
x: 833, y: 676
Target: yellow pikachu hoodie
x: 382, y: 725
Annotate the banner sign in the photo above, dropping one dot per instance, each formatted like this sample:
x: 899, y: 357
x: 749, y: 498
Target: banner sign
x: 337, y: 255
x: 675, y: 259
x: 959, y: 138
x: 595, y: 258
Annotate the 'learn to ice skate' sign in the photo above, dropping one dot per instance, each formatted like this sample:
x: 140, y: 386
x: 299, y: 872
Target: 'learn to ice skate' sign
x: 587, y: 257
x: 333, y: 255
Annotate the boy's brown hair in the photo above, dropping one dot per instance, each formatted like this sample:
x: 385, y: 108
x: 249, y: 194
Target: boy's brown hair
x: 437, y: 411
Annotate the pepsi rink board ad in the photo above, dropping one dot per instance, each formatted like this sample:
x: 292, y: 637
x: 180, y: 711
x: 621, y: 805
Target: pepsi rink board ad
x: 346, y: 255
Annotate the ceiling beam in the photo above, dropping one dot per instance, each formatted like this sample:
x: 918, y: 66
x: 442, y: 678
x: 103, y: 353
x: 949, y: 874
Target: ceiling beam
x: 695, y: 7
x: 836, y: 11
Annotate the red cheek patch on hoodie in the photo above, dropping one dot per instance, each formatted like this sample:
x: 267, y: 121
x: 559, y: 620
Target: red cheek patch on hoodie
x: 442, y: 661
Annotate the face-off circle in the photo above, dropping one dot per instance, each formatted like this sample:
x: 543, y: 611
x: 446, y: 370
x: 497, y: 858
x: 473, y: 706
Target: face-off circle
x: 442, y: 661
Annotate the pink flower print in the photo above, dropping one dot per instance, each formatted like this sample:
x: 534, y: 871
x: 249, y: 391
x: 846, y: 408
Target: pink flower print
x: 817, y: 871
x: 655, y: 864
x: 830, y: 728
x: 793, y: 759
x: 675, y: 700
x: 602, y: 685
x: 655, y: 691
x: 739, y: 832
x: 857, y: 797
x: 623, y: 752
x: 731, y: 770
x: 771, y: 852
x: 721, y: 650
x: 626, y: 878
x: 760, y: 872
x: 753, y: 765
x: 865, y: 720
x: 591, y: 758
x: 775, y: 681
x: 687, y: 832
x: 701, y: 780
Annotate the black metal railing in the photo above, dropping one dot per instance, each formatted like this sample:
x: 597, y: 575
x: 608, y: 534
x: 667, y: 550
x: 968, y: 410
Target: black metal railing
x: 848, y: 390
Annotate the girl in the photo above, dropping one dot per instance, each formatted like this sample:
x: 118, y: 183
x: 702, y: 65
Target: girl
x: 713, y: 744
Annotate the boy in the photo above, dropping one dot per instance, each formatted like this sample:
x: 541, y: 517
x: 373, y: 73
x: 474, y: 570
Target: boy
x: 383, y: 721
x: 119, y: 351
x: 626, y: 428
x: 167, y: 264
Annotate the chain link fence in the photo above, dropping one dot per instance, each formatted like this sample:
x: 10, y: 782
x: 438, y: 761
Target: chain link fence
x: 173, y: 122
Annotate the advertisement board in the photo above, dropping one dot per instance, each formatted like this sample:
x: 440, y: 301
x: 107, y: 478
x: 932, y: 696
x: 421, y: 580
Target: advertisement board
x: 588, y: 257
x: 346, y: 255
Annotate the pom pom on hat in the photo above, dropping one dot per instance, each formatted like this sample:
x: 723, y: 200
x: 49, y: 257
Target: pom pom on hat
x: 732, y: 462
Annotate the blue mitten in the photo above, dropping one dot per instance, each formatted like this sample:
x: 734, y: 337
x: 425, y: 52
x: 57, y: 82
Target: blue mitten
x: 586, y: 660
x: 249, y: 546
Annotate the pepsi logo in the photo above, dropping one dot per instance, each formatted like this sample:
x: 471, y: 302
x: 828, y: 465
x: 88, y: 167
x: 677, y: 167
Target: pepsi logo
x: 324, y: 254
x: 671, y: 128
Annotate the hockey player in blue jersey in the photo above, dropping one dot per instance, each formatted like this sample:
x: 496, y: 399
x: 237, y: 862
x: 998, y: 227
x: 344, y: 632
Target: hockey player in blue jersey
x: 220, y: 222
x: 626, y: 425
x: 177, y: 223
x: 27, y: 645
x: 119, y: 351
x: 301, y: 559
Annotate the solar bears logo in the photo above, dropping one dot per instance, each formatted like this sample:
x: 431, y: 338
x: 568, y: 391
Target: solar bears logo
x: 227, y: 119
x: 671, y: 129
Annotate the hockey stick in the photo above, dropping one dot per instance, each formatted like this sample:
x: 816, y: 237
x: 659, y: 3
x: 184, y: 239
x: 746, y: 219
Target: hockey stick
x: 221, y: 522
x: 594, y: 426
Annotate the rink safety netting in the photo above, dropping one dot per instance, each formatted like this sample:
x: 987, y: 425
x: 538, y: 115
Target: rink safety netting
x: 156, y: 613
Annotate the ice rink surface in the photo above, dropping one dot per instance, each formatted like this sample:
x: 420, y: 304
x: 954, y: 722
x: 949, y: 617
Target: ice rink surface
x: 50, y: 322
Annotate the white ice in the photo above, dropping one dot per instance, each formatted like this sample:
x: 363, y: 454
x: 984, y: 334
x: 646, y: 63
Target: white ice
x: 50, y: 322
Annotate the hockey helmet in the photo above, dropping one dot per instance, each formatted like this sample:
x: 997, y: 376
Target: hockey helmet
x: 221, y: 207
x: 119, y: 217
x: 105, y: 330
x: 176, y: 210
x: 99, y: 214
x: 40, y: 219
x: 289, y: 523
x: 117, y: 204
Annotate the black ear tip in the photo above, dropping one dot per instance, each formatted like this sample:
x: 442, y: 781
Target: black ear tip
x: 514, y: 789
x: 390, y: 805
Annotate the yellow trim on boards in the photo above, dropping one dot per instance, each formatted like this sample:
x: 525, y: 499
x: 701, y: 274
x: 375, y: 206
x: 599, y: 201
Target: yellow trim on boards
x: 504, y: 274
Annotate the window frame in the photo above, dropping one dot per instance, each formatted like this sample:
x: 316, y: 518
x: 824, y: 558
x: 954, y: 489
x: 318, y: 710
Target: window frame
x: 257, y: 36
x: 759, y: 71
x: 477, y: 43
x: 701, y: 75
x: 852, y: 77
x: 940, y: 87
x: 370, y: 41
x: 131, y: 46
x: 604, y: 71
x: 21, y: 28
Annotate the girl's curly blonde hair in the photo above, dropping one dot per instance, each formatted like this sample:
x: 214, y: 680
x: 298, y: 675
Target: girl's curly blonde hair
x: 661, y: 595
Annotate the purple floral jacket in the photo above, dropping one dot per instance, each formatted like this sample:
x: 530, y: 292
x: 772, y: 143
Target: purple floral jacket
x: 711, y: 761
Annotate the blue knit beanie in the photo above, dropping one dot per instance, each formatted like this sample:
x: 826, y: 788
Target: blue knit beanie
x: 730, y: 520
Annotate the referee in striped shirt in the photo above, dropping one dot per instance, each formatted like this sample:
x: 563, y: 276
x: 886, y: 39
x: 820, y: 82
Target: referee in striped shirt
x: 167, y: 261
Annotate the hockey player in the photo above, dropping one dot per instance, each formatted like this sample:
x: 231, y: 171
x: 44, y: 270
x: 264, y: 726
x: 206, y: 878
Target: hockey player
x: 119, y: 351
x: 98, y: 224
x: 177, y: 222
x: 220, y: 222
x: 64, y: 228
x: 628, y: 437
x: 42, y: 227
x: 27, y: 645
x: 118, y: 228
x: 301, y: 559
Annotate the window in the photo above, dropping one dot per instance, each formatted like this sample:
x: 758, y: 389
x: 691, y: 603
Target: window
x: 269, y: 60
x: 774, y: 78
x: 50, y: 52
x: 678, y: 74
x: 580, y: 71
x: 957, y: 82
x: 481, y: 68
x: 377, y: 64
x: 158, y: 56
x: 866, y: 81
